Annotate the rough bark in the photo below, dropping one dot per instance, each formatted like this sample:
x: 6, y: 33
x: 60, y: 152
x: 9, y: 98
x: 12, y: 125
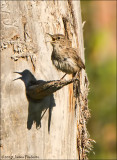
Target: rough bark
x: 61, y: 124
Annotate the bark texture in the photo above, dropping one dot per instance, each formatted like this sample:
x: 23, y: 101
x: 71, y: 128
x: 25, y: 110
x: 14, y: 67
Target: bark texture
x: 55, y: 127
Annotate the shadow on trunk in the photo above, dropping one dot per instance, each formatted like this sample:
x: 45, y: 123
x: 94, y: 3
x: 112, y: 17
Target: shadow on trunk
x: 40, y: 97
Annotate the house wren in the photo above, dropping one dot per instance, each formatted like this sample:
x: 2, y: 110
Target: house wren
x: 64, y: 57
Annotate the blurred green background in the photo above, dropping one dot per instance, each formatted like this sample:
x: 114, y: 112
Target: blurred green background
x: 100, y: 53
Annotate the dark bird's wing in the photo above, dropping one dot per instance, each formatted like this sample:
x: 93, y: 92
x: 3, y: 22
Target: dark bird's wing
x: 73, y: 54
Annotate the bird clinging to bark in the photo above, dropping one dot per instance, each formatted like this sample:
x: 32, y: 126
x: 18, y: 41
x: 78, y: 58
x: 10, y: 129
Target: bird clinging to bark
x: 64, y: 57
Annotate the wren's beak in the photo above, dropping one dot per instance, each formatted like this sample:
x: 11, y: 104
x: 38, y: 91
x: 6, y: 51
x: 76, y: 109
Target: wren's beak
x: 49, y: 34
x: 19, y: 77
x: 53, y: 39
x: 52, y: 42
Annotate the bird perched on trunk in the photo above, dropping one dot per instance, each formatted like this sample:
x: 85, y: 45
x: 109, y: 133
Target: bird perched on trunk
x: 64, y: 57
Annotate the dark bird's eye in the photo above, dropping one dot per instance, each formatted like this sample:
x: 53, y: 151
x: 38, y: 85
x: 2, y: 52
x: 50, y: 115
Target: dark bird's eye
x: 58, y: 38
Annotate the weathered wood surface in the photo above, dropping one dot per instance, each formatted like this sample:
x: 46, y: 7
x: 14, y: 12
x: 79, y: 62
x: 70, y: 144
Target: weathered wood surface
x: 24, y: 26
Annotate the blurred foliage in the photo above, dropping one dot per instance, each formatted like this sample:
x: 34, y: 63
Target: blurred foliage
x: 100, y: 54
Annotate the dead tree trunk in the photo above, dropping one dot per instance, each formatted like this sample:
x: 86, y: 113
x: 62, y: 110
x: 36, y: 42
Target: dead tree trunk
x: 55, y: 127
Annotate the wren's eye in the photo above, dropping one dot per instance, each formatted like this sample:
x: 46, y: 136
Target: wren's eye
x: 58, y: 38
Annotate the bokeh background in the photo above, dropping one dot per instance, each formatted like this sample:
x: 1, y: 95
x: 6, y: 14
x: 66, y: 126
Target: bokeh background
x: 100, y: 53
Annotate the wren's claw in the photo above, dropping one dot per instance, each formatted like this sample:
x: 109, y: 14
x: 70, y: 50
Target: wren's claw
x: 63, y: 77
x: 77, y: 77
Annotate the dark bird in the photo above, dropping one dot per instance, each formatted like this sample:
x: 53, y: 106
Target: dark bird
x: 39, y: 100
x: 40, y: 96
x: 64, y: 57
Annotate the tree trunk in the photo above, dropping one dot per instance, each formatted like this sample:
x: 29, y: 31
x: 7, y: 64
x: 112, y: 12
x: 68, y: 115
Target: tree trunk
x: 55, y: 127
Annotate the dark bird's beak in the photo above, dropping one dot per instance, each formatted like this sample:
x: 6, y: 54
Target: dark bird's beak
x: 19, y: 77
x: 18, y: 73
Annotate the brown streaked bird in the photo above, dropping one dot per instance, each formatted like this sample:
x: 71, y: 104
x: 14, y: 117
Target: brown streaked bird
x: 64, y: 57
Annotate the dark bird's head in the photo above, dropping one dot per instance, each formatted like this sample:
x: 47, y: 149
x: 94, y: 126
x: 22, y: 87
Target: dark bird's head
x: 27, y: 77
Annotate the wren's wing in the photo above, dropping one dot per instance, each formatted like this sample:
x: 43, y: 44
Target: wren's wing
x: 73, y: 53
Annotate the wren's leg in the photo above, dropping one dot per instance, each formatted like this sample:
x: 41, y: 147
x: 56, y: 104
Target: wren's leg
x: 63, y: 77
x: 77, y: 76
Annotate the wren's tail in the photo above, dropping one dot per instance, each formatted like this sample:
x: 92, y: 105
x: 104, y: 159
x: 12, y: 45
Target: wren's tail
x: 76, y: 89
x: 76, y: 84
